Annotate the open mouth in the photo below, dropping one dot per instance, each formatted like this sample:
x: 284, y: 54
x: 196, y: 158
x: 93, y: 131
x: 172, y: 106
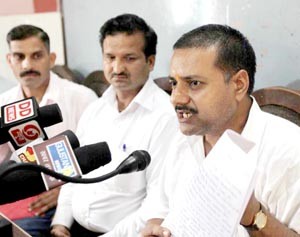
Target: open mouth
x: 187, y: 115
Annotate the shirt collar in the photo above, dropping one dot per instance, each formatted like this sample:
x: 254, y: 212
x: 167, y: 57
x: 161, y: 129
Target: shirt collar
x: 52, y: 91
x: 256, y: 123
x: 144, y: 98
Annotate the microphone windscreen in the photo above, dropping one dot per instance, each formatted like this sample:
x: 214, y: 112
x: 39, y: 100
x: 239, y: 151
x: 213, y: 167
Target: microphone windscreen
x: 74, y: 142
x: 19, y: 184
x: 143, y: 159
x: 50, y: 115
x: 92, y: 156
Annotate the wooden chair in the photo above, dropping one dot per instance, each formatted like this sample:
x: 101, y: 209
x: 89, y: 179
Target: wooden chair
x: 163, y: 83
x: 97, y: 82
x: 64, y: 72
x: 281, y: 101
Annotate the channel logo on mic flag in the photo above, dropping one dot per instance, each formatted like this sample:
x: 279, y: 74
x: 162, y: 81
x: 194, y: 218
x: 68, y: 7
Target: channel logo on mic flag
x: 57, y: 154
x: 61, y: 158
x: 18, y: 111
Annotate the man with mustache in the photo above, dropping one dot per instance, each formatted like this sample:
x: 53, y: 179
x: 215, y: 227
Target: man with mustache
x: 212, y: 76
x: 31, y: 61
x: 132, y: 114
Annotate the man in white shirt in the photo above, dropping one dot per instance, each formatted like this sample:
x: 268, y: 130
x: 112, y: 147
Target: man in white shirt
x: 132, y: 114
x: 6, y: 84
x: 31, y: 61
x: 212, y: 75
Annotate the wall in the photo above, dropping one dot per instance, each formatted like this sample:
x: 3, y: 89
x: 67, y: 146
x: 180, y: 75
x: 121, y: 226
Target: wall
x: 270, y: 25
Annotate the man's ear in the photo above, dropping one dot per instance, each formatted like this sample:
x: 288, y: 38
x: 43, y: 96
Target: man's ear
x: 241, y: 84
x: 52, y: 59
x: 8, y: 58
x: 151, y: 62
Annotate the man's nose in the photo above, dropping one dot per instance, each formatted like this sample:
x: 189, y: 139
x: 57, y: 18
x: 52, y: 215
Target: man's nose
x: 26, y: 63
x: 118, y: 66
x: 180, y: 95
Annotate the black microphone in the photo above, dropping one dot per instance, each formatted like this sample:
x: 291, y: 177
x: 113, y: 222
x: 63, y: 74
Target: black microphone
x: 19, y: 181
x: 24, y: 121
x: 137, y: 161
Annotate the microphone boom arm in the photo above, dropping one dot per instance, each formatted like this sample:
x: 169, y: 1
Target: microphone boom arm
x: 39, y: 168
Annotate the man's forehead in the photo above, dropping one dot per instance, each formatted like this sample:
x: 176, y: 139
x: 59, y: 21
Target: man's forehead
x: 30, y: 41
x: 16, y: 47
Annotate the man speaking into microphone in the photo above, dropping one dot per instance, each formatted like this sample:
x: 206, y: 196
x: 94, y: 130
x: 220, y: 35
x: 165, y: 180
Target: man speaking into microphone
x: 31, y: 61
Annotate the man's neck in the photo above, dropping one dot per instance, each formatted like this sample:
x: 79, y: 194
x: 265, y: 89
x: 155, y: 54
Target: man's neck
x: 237, y: 124
x: 38, y: 93
x: 124, y: 98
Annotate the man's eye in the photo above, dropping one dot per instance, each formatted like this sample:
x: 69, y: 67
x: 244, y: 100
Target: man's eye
x: 110, y: 58
x: 37, y: 56
x: 195, y: 83
x: 172, y: 83
x: 130, y: 59
x: 18, y: 57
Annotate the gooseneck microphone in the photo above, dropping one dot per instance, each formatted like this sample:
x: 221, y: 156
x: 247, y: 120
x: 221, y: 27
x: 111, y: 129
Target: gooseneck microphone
x: 22, y: 180
x: 136, y: 161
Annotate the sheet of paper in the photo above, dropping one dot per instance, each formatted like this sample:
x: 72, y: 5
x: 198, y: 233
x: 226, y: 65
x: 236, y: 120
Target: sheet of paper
x: 216, y: 197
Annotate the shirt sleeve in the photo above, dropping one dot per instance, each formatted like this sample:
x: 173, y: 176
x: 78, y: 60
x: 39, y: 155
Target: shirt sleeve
x: 63, y: 214
x: 278, y: 187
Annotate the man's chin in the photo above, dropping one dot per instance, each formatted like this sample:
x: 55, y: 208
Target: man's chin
x: 187, y: 132
x: 190, y: 131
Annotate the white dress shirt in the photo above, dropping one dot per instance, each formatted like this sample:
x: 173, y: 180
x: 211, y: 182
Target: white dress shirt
x: 117, y: 204
x: 278, y: 170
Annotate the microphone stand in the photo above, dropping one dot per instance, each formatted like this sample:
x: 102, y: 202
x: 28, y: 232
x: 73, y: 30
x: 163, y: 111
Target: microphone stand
x: 39, y: 168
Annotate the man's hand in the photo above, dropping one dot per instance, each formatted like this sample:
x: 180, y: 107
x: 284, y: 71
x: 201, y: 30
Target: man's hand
x: 45, y: 202
x: 60, y: 231
x: 154, y: 229
x: 252, y: 208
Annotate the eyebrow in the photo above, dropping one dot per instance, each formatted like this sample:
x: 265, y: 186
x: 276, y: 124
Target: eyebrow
x: 189, y: 77
x: 16, y: 52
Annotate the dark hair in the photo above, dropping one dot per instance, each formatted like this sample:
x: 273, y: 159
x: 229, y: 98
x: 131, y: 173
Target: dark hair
x: 234, y: 50
x: 130, y: 24
x: 22, y: 32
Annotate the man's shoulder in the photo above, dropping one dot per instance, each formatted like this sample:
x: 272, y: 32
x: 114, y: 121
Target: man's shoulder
x: 280, y: 125
x: 73, y: 87
x: 162, y: 100
x: 280, y: 135
x: 9, y: 96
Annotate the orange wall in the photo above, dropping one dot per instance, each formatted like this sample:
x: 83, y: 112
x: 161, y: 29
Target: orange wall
x: 45, y: 5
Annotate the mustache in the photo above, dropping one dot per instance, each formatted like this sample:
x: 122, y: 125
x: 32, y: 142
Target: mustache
x: 25, y: 73
x: 119, y: 74
x: 186, y: 109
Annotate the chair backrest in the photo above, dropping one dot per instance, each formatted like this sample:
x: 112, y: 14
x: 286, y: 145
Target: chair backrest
x: 281, y: 101
x: 97, y: 82
x: 64, y: 72
x: 163, y: 83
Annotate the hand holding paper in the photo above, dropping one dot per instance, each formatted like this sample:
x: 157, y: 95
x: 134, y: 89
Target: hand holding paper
x: 216, y: 197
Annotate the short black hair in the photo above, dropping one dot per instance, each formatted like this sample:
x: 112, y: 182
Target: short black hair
x: 130, y: 24
x: 22, y: 32
x: 233, y: 49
